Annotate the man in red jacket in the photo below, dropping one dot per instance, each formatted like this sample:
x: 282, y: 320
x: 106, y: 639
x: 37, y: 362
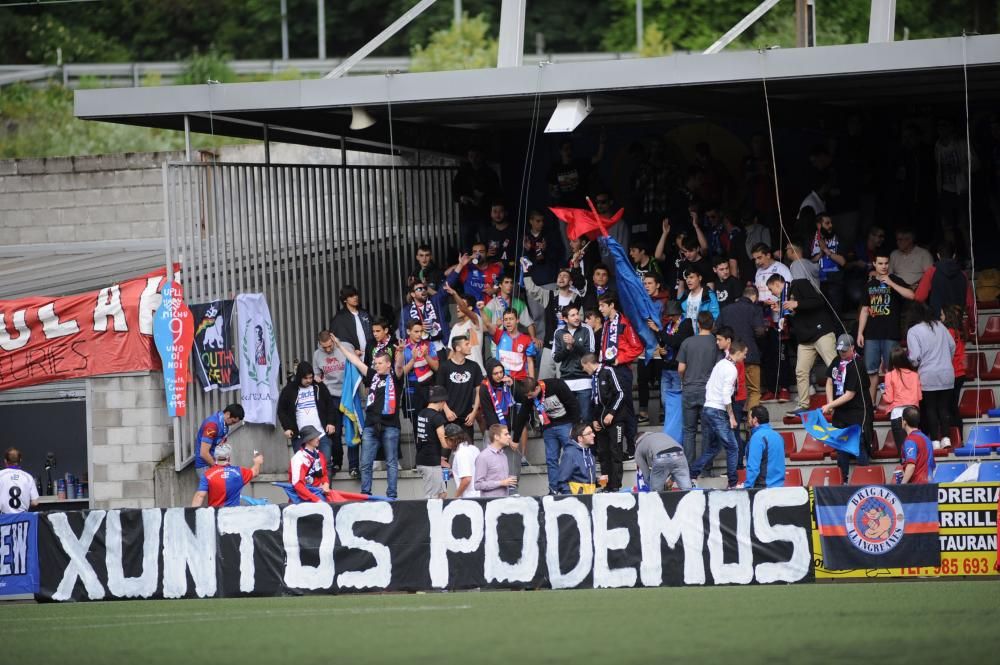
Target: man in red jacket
x: 620, y: 344
x: 308, y: 467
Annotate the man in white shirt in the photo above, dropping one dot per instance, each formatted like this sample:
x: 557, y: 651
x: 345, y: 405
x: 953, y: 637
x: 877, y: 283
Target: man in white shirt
x: 718, y: 422
x: 775, y: 367
x: 17, y: 487
x: 909, y: 261
x: 463, y: 461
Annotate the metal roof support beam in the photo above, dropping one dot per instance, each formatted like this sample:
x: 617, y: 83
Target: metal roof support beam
x: 382, y: 37
x: 741, y: 27
x: 882, y: 23
x: 511, y: 50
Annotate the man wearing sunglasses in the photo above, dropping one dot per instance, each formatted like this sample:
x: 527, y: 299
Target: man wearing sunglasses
x: 429, y: 311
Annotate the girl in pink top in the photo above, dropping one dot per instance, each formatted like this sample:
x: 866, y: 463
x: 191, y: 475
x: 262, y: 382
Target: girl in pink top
x: 902, y: 389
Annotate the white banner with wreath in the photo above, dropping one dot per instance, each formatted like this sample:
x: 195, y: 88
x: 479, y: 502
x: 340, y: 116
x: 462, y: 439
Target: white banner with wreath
x: 259, y: 365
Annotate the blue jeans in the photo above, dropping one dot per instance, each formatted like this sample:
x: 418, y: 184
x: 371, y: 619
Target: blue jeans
x: 583, y: 399
x: 716, y: 433
x: 556, y: 437
x: 673, y: 405
x: 369, y: 445
x: 326, y: 447
x: 877, y: 352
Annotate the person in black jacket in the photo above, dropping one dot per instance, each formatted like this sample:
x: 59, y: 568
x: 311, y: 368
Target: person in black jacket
x: 304, y: 401
x: 801, y: 306
x: 554, y: 406
x: 351, y: 323
x: 670, y: 335
x: 610, y: 413
x: 746, y: 318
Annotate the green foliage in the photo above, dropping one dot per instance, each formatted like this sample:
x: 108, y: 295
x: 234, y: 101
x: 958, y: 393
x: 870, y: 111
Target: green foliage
x: 464, y: 45
x: 38, y: 39
x: 200, y: 69
x: 654, y: 42
x: 39, y: 122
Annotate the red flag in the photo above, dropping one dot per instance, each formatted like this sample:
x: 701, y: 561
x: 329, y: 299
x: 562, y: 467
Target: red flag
x: 589, y: 223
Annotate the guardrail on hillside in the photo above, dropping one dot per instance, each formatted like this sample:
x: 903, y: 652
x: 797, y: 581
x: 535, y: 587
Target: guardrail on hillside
x: 131, y: 74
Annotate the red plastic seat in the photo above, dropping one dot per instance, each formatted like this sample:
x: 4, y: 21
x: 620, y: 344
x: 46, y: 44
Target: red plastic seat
x: 825, y: 475
x: 882, y: 415
x: 793, y: 478
x: 812, y: 451
x: 868, y: 475
x: 991, y: 335
x: 817, y: 401
x: 741, y: 475
x: 888, y: 450
x: 976, y: 402
x: 987, y: 304
x: 976, y: 366
x: 789, y: 439
x: 993, y: 373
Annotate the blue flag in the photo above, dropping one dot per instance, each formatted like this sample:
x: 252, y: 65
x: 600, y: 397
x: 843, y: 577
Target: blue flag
x: 636, y: 303
x: 847, y: 439
x: 19, y: 572
x: 352, y: 405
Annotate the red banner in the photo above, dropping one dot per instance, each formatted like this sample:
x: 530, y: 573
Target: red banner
x: 45, y: 339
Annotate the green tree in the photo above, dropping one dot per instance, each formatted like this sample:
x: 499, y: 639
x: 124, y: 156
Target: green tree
x: 464, y: 45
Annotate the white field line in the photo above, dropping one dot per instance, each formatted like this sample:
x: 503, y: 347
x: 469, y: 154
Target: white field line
x: 163, y: 619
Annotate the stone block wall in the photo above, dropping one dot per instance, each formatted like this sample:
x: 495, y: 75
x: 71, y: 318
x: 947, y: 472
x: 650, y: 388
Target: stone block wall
x: 78, y: 199
x: 130, y: 434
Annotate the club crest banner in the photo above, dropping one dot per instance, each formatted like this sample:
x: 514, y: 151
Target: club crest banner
x: 878, y: 526
x: 259, y: 364
x: 215, y: 360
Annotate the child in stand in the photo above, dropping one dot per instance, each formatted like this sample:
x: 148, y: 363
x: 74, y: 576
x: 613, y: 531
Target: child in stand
x: 954, y: 319
x: 902, y: 389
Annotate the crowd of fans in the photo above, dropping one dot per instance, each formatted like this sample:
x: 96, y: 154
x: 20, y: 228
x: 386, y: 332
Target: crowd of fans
x: 524, y: 330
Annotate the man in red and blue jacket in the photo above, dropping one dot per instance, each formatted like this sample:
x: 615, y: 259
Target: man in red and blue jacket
x: 223, y: 482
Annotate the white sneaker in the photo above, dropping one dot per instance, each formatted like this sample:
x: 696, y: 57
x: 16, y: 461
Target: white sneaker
x: 945, y: 442
x: 936, y: 445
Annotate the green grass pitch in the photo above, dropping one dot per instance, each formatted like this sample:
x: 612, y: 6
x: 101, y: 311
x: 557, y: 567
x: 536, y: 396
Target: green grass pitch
x: 907, y: 622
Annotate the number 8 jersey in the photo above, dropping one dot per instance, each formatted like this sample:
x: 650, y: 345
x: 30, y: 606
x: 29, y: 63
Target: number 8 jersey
x: 17, y: 490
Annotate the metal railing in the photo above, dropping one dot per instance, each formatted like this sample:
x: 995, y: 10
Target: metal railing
x: 126, y: 74
x: 298, y: 234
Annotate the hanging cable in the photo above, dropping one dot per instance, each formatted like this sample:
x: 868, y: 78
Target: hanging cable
x: 784, y: 234
x: 972, y: 254
x: 529, y: 162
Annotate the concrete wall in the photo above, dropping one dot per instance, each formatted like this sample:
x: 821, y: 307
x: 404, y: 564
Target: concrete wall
x: 130, y: 434
x: 75, y: 199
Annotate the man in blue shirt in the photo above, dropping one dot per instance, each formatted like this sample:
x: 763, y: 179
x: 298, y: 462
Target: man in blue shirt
x: 765, y: 453
x: 212, y: 432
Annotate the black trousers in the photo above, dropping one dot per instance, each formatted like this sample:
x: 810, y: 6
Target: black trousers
x: 610, y: 446
x: 775, y: 364
x: 935, y: 413
x: 647, y: 375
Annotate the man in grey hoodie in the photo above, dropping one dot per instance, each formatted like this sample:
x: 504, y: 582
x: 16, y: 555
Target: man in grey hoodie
x: 329, y: 363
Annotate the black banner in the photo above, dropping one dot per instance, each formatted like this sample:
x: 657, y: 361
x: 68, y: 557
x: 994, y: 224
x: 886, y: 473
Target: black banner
x: 213, y: 348
x: 598, y: 541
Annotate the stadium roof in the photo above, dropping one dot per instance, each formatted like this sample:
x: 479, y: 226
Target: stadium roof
x: 443, y: 111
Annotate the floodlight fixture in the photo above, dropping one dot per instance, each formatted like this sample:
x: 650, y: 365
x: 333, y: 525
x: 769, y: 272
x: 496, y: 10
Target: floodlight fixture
x: 360, y: 118
x: 568, y: 115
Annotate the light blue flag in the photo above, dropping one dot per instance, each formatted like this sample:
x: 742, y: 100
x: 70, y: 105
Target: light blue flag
x: 847, y: 439
x: 352, y: 405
